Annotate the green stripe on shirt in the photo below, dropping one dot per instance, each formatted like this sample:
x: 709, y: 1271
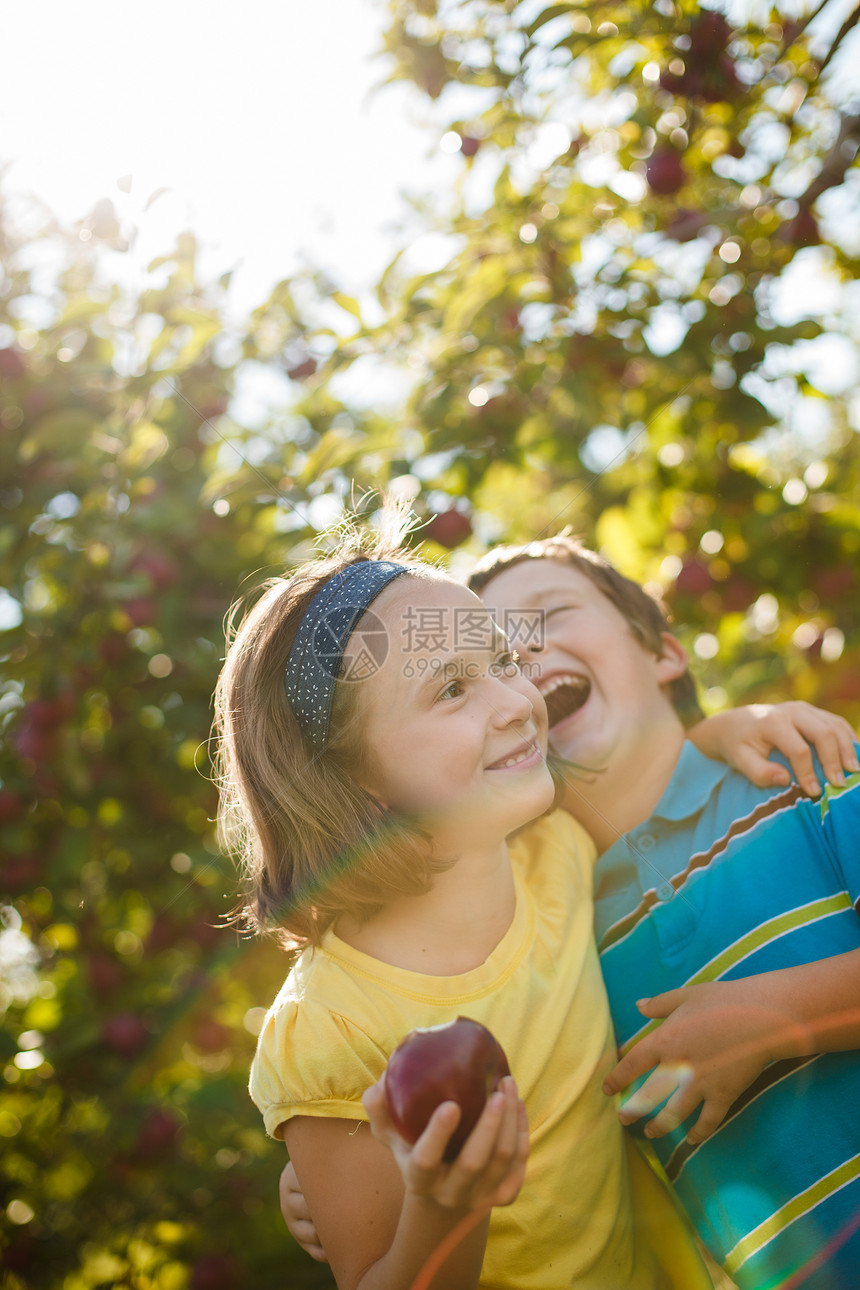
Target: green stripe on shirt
x: 833, y: 790
x: 790, y: 1212
x: 755, y: 940
x: 771, y: 931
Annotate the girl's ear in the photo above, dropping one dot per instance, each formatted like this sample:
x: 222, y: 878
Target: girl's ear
x: 674, y: 660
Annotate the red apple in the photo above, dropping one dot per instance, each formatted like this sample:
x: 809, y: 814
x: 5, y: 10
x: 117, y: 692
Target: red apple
x: 459, y: 1061
x: 141, y: 610
x: 158, y: 1133
x: 694, y: 579
x: 20, y: 872
x: 802, y: 230
x: 12, y: 365
x: 105, y: 974
x: 665, y: 172
x: 205, y: 933
x: 449, y: 528
x: 19, y: 1254
x: 113, y: 648
x: 301, y: 370
x: 685, y: 224
x: 834, y: 582
x: 673, y: 82
x: 709, y: 36
x: 211, y: 1036
x: 846, y: 687
x: 125, y: 1034
x: 47, y: 713
x: 163, y: 933
x: 158, y: 569
x: 35, y: 743
x: 12, y: 806
x: 738, y: 594
x: 217, y: 1272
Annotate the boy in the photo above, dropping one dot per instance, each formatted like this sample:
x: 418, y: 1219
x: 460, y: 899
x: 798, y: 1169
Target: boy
x: 743, y: 903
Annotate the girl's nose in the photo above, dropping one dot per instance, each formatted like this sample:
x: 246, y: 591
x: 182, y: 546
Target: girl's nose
x: 509, y: 704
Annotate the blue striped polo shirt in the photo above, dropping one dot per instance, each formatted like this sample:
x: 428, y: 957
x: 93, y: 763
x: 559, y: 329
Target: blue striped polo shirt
x: 723, y: 881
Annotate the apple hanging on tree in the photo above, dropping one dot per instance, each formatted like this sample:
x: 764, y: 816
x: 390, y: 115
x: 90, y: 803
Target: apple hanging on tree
x: 802, y: 230
x: 449, y: 528
x: 709, y: 35
x: 665, y: 172
x: 125, y: 1034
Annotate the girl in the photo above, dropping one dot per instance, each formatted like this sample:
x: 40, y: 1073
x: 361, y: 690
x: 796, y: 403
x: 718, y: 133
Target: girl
x: 378, y: 745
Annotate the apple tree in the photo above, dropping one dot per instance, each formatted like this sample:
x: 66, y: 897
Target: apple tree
x: 133, y: 509
x: 641, y: 318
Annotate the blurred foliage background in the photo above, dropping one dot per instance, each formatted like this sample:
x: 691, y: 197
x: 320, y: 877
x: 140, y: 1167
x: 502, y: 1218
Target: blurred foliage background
x: 636, y: 315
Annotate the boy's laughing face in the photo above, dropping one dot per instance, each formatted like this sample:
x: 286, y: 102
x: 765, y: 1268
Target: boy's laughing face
x: 604, y: 691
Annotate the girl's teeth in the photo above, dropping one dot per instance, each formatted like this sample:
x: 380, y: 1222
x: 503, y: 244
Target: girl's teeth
x: 515, y: 761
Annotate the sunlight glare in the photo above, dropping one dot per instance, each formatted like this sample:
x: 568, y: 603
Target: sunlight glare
x: 259, y: 132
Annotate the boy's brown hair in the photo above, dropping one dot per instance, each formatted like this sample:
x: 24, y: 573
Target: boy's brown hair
x: 646, y: 616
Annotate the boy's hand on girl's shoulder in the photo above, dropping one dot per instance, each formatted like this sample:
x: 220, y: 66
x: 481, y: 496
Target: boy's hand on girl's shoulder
x: 712, y: 1042
x: 744, y: 737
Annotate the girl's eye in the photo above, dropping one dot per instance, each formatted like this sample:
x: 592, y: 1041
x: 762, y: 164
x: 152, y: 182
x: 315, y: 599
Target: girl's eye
x: 507, y: 663
x: 452, y: 691
x: 559, y: 609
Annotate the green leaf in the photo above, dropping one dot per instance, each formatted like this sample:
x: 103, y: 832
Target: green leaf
x: 547, y: 15
x: 349, y: 303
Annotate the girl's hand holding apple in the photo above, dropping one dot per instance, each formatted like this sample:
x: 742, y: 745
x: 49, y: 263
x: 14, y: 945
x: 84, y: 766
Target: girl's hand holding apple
x: 489, y: 1169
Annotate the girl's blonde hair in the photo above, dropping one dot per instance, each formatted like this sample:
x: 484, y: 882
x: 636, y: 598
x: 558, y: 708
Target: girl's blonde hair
x: 311, y: 843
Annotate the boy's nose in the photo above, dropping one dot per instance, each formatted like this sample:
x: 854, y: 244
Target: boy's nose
x: 528, y: 640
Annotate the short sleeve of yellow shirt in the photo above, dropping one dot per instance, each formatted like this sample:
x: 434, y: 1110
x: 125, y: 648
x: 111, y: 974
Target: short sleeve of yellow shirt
x: 590, y: 1214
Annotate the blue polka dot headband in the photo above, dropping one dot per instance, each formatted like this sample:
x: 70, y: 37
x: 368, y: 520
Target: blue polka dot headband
x: 318, y: 648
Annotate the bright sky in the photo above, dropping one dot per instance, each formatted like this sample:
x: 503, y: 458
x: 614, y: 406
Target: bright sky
x: 258, y: 120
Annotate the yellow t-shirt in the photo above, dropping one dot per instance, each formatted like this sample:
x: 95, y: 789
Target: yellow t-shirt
x: 591, y: 1213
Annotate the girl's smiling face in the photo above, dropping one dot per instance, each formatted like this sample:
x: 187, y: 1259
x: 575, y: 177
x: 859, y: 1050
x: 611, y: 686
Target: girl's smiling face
x: 454, y: 735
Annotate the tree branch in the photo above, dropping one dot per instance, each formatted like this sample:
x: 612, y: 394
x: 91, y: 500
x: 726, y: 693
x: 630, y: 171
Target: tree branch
x: 849, y: 22
x: 836, y: 162
x: 798, y: 29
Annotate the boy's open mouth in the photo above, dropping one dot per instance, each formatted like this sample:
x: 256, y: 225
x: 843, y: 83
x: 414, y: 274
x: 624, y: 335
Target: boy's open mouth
x: 565, y: 695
